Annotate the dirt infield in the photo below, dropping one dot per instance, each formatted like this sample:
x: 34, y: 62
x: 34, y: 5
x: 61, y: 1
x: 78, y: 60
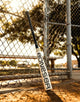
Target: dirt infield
x: 67, y: 91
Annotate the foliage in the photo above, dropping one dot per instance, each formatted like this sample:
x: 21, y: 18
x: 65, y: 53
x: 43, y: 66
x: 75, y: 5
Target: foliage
x: 4, y: 63
x: 18, y: 28
x: 76, y: 32
x: 13, y: 63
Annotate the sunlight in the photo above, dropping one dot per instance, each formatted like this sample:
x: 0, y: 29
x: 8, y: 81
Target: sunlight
x: 17, y: 5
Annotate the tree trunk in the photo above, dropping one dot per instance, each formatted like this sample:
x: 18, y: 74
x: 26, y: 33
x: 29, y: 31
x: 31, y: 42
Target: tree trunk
x: 78, y: 62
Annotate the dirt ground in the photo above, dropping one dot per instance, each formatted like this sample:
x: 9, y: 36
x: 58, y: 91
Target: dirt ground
x: 66, y: 91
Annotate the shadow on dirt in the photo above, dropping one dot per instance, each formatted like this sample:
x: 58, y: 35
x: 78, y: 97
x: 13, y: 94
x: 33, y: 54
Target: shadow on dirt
x: 53, y: 96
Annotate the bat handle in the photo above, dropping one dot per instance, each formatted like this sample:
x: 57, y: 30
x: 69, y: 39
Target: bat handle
x: 36, y: 45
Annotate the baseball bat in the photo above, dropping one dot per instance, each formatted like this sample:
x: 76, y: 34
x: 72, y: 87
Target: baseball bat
x: 43, y: 69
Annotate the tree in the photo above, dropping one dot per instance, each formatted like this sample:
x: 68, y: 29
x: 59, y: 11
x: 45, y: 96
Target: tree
x: 76, y: 31
x: 13, y: 63
x: 58, y: 32
x: 75, y: 20
x: 7, y: 63
x: 19, y: 28
x: 3, y: 63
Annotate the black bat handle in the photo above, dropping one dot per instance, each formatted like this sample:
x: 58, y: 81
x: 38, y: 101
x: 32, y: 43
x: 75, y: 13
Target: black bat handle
x: 36, y: 45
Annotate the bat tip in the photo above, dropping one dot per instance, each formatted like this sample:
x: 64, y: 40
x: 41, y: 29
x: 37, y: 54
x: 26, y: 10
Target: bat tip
x: 27, y: 12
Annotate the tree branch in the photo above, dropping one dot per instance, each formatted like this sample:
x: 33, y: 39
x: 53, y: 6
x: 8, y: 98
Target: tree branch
x: 7, y: 12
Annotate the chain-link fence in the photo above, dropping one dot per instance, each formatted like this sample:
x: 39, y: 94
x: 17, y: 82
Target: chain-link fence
x: 75, y: 20
x: 16, y: 43
x: 60, y: 16
x: 18, y: 59
x: 57, y: 37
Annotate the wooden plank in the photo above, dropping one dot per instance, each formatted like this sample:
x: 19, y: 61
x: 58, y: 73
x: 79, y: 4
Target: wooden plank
x: 18, y: 71
x: 26, y: 76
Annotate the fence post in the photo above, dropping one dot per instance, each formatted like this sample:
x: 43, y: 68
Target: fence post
x: 46, y: 55
x: 69, y: 50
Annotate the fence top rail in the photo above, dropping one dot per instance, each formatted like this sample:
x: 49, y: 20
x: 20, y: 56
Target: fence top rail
x: 25, y: 57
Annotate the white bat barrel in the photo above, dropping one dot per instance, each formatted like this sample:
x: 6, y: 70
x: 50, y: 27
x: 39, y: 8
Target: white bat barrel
x: 43, y: 71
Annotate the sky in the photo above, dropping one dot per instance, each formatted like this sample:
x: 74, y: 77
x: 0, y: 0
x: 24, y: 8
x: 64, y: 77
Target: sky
x: 64, y: 60
x: 16, y: 48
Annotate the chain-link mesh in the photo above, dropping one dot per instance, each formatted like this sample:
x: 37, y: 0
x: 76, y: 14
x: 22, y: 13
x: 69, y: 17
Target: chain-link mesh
x: 18, y: 60
x: 57, y: 37
x: 75, y: 20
